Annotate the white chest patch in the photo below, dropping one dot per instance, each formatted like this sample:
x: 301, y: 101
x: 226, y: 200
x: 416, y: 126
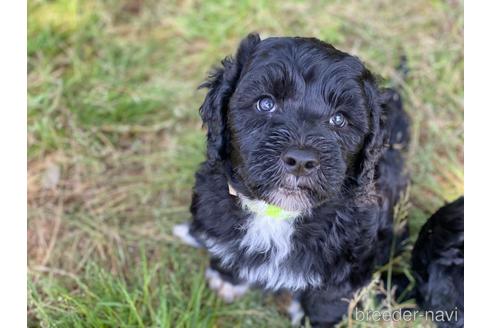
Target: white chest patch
x: 266, y: 234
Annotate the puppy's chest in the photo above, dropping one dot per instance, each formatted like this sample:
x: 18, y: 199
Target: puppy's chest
x: 270, y: 241
x: 268, y: 229
x: 264, y: 252
x: 268, y: 235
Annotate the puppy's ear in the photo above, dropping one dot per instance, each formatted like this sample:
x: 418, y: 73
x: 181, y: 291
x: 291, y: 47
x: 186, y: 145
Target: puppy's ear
x: 375, y: 140
x: 221, y: 85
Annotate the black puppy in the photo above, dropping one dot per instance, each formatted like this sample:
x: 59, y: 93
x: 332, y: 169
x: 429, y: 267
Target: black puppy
x: 303, y: 169
x: 438, y: 264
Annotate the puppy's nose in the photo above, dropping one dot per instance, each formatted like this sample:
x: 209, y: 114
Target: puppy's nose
x: 300, y: 161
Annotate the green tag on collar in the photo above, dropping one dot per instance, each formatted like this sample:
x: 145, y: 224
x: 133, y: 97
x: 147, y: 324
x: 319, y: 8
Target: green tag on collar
x: 273, y: 211
x: 269, y: 211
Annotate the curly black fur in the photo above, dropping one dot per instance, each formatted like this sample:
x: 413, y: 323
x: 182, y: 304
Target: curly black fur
x: 347, y: 203
x: 438, y: 263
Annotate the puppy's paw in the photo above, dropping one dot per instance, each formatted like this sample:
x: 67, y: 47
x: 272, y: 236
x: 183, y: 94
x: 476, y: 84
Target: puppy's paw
x: 296, y: 312
x: 226, y: 290
x: 182, y: 231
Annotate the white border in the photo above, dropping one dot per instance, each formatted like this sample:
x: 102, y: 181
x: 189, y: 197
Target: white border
x: 13, y: 164
x: 478, y: 160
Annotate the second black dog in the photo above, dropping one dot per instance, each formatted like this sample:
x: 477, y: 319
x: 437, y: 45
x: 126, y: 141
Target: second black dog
x: 438, y: 265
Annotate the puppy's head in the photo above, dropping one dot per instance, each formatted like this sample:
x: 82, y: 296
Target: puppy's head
x: 297, y: 120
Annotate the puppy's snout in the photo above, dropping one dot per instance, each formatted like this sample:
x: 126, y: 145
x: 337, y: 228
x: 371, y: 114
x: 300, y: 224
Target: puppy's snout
x: 299, y: 161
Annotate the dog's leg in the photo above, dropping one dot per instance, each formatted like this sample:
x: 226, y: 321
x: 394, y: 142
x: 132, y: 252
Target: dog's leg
x: 224, y: 283
x: 326, y: 308
x: 295, y: 310
x: 182, y: 231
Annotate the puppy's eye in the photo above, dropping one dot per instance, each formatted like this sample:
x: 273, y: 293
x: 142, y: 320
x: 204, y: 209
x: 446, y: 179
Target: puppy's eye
x: 338, y: 120
x: 266, y: 104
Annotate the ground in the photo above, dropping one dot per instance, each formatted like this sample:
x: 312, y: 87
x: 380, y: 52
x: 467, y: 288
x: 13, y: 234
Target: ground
x: 114, y: 138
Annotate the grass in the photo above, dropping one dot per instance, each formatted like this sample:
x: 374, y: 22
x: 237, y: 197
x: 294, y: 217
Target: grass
x: 114, y: 138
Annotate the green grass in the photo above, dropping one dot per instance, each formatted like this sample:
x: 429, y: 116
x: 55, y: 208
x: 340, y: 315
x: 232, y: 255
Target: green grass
x: 114, y: 138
